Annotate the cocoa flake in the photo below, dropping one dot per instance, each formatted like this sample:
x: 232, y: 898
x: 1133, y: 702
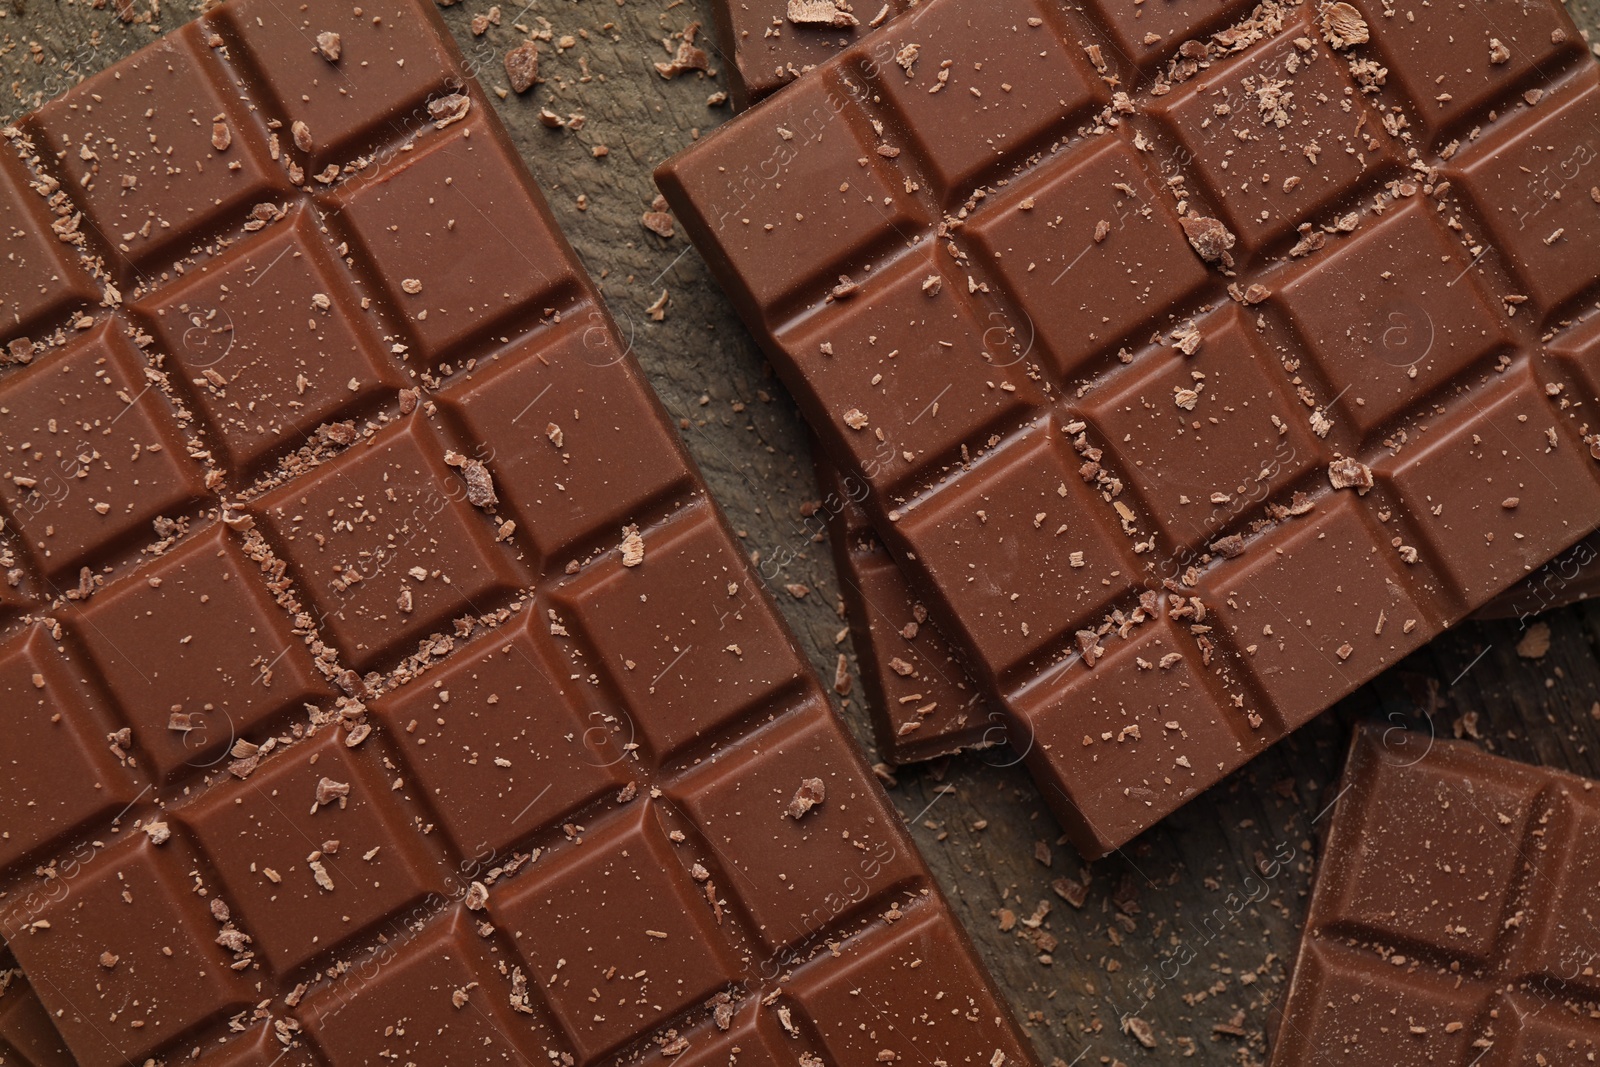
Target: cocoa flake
x: 632, y: 547
x: 825, y: 13
x: 1210, y: 238
x: 1348, y: 473
x: 812, y: 792
x: 450, y: 109
x: 522, y: 66
x: 328, y: 791
x: 1343, y: 26
x: 329, y: 45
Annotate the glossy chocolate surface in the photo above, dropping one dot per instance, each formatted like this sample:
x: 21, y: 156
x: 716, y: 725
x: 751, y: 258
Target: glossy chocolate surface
x: 1193, y: 391
x: 1453, y: 919
x: 380, y: 684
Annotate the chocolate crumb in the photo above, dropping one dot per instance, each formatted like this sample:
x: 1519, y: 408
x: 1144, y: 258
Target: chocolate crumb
x: 1350, y: 473
x: 328, y: 791
x: 825, y: 13
x: 1343, y: 26
x: 522, y: 66
x: 328, y: 43
x: 658, y: 310
x: 449, y: 109
x: 480, y: 484
x: 812, y: 792
x: 1073, y: 892
x: 1230, y: 547
x: 688, y: 57
x: 632, y: 547
x: 658, y: 220
x: 1140, y: 1029
x: 1210, y: 238
x: 1535, y: 644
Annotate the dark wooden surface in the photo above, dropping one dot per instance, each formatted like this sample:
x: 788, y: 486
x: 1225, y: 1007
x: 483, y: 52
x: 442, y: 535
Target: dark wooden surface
x: 1181, y: 929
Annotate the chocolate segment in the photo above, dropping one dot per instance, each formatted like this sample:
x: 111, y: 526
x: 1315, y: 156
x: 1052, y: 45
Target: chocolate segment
x: 768, y: 43
x: 380, y: 683
x: 27, y: 1037
x: 1451, y: 920
x: 1215, y: 383
x: 922, y: 699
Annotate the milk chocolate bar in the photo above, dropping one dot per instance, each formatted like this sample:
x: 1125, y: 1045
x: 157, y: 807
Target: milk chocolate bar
x: 1452, y: 919
x: 381, y: 683
x: 1196, y: 380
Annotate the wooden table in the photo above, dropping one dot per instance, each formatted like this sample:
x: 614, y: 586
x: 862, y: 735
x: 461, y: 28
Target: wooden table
x: 1180, y: 929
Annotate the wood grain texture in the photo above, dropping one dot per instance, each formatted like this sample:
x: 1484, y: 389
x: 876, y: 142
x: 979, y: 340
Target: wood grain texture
x: 1180, y: 930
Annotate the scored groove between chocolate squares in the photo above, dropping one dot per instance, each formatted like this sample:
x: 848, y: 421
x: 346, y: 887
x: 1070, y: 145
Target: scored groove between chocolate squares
x: 381, y: 682
x: 1191, y: 307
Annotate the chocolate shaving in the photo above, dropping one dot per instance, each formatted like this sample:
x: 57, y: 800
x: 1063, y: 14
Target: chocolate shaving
x: 449, y: 109
x: 1210, y: 239
x: 812, y: 792
x: 1343, y: 26
x: 480, y: 485
x: 328, y: 44
x: 632, y: 547
x: 825, y: 13
x: 328, y: 791
x: 1350, y: 473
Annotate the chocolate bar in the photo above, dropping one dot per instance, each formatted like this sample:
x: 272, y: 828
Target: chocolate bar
x: 922, y: 701
x: 1452, y: 917
x: 382, y: 685
x: 790, y: 44
x: 1196, y: 380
